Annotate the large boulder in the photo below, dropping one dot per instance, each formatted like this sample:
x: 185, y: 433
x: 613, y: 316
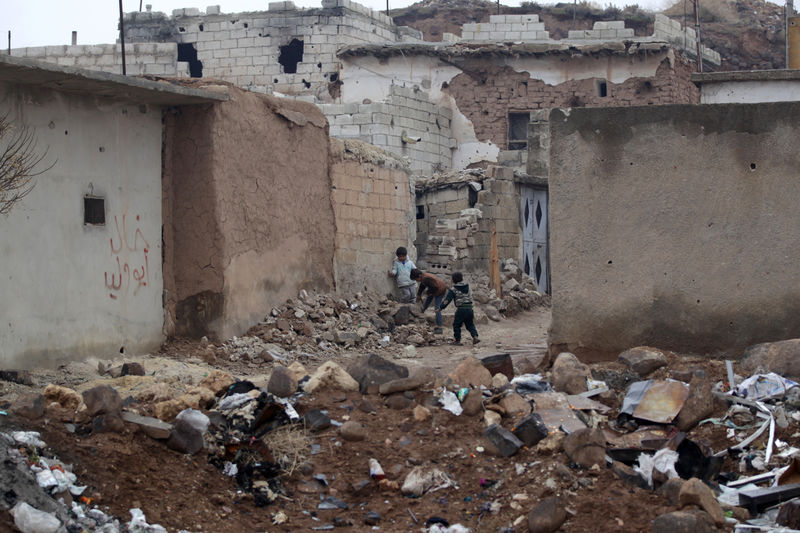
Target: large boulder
x: 282, y: 382
x: 470, y: 372
x: 695, y: 492
x: 65, y: 397
x: 586, y: 447
x: 330, y: 376
x: 547, y: 516
x: 372, y: 371
x: 101, y: 400
x: 698, y: 406
x: 569, y: 374
x: 684, y: 522
x: 643, y: 360
x: 780, y: 357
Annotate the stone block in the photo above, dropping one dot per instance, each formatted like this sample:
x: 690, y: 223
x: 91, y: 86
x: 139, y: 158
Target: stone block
x: 213, y: 10
x: 530, y: 430
x: 152, y: 427
x: 507, y: 443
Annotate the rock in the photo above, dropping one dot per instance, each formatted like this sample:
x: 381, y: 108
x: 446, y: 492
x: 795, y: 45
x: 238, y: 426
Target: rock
x: 532, y: 364
x: 530, y: 430
x: 780, y: 357
x: 282, y: 382
x: 169, y: 409
x: 316, y: 420
x: 366, y: 406
x: 155, y: 392
x: 399, y: 385
x: 30, y: 405
x: 102, y: 399
x: 197, y: 398
x: 362, y: 332
x: 698, y: 406
x: 426, y: 375
x: 643, y: 360
x: 398, y: 402
x: 569, y: 374
x: 372, y: 371
x: 372, y: 518
x: 332, y: 376
x: 108, y: 423
x: 283, y: 325
x: 402, y: 316
x: 499, y: 381
x: 789, y: 514
x: 132, y: 369
x: 684, y: 522
x: 547, y: 516
x: 671, y: 490
x: 515, y: 405
x: 502, y: 439
x: 510, y: 285
x: 217, y: 382
x: 695, y: 492
x: 298, y: 370
x: 363, y: 487
x: 551, y: 444
x: 63, y: 396
x: 421, y: 414
x: 629, y: 475
x: 470, y: 373
x: 416, y: 339
x: 152, y: 427
x: 353, y: 431
x: 586, y: 447
x: 473, y: 403
x: 492, y: 313
x: 346, y: 337
x: 22, y: 377
x: 410, y: 352
x: 266, y: 356
x: 188, y: 432
x: 490, y: 418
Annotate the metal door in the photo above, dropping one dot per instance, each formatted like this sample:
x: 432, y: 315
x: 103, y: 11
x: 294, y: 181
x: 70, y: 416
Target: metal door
x: 533, y: 212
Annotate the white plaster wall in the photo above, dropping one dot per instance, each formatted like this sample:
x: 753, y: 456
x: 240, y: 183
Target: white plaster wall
x: 750, y: 92
x: 553, y: 70
x: 71, y: 290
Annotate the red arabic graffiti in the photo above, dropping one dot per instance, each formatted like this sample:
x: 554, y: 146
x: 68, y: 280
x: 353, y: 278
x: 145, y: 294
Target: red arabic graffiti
x: 126, y: 254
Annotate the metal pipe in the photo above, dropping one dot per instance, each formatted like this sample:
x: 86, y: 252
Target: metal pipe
x: 122, y: 37
x: 74, y: 38
x: 787, y: 12
x: 9, y: 42
x: 697, y: 34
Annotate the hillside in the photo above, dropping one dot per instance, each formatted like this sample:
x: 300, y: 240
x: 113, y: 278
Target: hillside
x: 748, y: 34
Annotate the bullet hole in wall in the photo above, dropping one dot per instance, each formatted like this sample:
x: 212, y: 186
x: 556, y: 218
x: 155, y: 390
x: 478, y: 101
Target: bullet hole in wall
x: 188, y: 53
x: 290, y: 55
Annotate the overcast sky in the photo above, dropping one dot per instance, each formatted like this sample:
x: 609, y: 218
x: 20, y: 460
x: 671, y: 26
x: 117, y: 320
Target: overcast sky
x: 50, y: 22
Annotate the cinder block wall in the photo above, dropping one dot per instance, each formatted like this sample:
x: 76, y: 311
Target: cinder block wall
x: 675, y: 227
x: 372, y: 207
x: 157, y: 59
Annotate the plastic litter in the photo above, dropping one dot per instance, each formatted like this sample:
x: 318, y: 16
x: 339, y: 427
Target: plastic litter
x: 663, y: 462
x: 31, y: 520
x: 530, y: 384
x: 230, y: 469
x: 233, y: 401
x: 450, y: 402
x: 28, y: 438
x: 375, y: 470
x: 421, y: 481
x: 138, y: 524
x: 455, y: 528
x: 764, y: 386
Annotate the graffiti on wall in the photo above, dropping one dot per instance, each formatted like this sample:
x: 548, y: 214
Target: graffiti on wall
x: 131, y: 255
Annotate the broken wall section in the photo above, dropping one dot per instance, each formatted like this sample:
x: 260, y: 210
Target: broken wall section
x: 249, y: 227
x: 157, y: 59
x: 407, y: 124
x: 372, y: 205
x: 674, y: 227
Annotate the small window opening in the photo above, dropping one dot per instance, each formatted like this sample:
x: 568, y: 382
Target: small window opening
x: 518, y: 130
x: 187, y: 52
x: 94, y: 210
x: 290, y: 55
x: 601, y: 88
x: 420, y: 212
x: 473, y: 197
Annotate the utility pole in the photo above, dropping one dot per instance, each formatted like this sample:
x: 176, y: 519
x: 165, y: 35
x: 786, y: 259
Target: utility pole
x: 122, y: 37
x: 788, y: 11
x: 697, y: 34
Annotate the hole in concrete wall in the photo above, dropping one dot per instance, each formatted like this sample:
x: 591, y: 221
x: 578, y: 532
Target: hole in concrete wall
x: 306, y: 84
x: 275, y: 80
x: 319, y: 65
x: 66, y: 132
x: 752, y: 166
x: 334, y: 77
x: 245, y: 25
x: 601, y: 88
x: 290, y: 55
x: 518, y: 130
x: 102, y: 149
x: 187, y: 52
x: 200, y: 27
x: 94, y: 210
x: 181, y: 29
x: 610, y: 262
x: 473, y: 197
x: 420, y: 212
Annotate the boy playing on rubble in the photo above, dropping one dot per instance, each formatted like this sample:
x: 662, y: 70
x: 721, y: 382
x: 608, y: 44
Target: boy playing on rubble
x: 462, y: 296
x: 436, y: 289
x: 401, y: 271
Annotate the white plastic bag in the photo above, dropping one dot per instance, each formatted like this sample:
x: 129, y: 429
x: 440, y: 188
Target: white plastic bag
x: 450, y: 402
x: 31, y: 520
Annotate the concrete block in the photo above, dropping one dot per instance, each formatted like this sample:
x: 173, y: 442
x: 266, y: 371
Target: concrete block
x: 213, y: 10
x: 470, y: 27
x: 496, y: 35
x: 616, y: 25
x: 497, y: 18
x: 626, y: 33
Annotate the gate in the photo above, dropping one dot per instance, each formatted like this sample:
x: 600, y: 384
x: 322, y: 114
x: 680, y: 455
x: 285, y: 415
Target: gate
x: 534, y: 236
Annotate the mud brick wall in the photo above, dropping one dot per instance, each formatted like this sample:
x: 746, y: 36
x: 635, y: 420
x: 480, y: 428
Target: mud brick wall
x: 158, y: 59
x: 372, y: 207
x: 487, y: 95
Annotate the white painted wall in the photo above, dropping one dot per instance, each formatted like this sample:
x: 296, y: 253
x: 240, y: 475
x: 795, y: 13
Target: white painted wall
x: 750, y: 92
x: 70, y: 290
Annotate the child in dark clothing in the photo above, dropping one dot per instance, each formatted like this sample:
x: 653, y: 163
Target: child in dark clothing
x: 462, y: 297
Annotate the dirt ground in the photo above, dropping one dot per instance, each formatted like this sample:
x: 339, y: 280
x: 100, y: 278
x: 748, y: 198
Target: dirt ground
x: 129, y: 469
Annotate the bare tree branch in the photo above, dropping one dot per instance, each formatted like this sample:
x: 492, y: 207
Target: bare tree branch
x: 19, y: 157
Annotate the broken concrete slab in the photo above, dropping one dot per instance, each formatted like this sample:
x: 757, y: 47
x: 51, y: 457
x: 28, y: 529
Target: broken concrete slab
x: 372, y: 371
x: 152, y: 427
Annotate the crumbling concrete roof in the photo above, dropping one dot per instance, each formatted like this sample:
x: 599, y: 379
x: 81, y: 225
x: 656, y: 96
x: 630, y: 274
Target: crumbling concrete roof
x: 75, y: 80
x: 451, y: 52
x: 700, y: 78
x: 361, y: 151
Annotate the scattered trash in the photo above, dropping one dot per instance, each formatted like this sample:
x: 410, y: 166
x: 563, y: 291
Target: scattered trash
x: 375, y: 470
x: 530, y: 384
x: 764, y: 387
x: 655, y: 401
x: 31, y: 520
x: 421, y: 481
x: 450, y: 402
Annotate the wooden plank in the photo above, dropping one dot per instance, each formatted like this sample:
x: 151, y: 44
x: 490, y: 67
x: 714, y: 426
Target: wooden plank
x: 494, y: 265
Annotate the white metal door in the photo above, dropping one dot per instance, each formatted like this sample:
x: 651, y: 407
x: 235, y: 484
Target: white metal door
x: 534, y: 236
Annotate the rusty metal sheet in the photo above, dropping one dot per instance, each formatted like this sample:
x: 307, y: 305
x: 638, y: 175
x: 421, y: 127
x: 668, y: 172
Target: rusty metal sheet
x: 662, y: 402
x: 582, y: 403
